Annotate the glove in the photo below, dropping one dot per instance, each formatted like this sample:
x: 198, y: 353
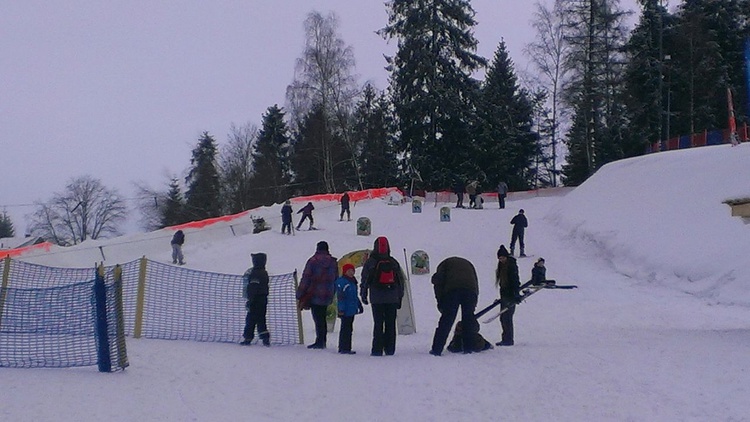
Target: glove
x: 518, y: 299
x: 398, y: 306
x: 440, y: 307
x: 341, y: 313
x: 360, y: 309
x: 364, y: 301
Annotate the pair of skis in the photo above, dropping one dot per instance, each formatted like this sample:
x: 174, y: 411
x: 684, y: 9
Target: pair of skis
x: 527, y: 290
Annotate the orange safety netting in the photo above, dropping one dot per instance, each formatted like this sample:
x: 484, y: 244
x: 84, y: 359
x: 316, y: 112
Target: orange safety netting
x: 45, y: 246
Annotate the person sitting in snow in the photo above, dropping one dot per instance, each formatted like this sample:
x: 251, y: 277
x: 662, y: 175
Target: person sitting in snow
x: 306, y: 214
x: 256, y: 294
x: 539, y: 273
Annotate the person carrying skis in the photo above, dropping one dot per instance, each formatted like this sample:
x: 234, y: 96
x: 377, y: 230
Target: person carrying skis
x: 256, y: 294
x: 507, y: 281
x: 383, y: 283
x: 177, y: 241
x: 286, y: 217
x: 519, y: 223
x: 306, y: 214
x: 316, y: 288
x: 348, y: 306
x: 456, y: 285
x: 345, y: 207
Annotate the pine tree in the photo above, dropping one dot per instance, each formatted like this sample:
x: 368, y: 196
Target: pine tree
x: 6, y: 226
x: 595, y: 33
x: 373, y: 131
x: 203, y: 194
x: 708, y: 59
x: 547, y: 53
x: 507, y: 144
x: 271, y: 159
x: 648, y: 50
x: 173, y: 211
x: 433, y: 94
x: 236, y: 169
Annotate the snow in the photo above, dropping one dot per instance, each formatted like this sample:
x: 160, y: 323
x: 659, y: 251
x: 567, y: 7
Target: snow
x: 658, y: 330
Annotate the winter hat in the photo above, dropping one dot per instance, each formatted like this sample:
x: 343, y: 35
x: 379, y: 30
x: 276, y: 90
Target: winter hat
x: 259, y: 260
x: 287, y: 202
x: 346, y: 268
x: 521, y: 211
x: 322, y: 246
x: 502, y: 251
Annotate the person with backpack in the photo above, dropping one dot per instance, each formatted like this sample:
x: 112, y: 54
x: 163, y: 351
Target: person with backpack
x: 255, y: 280
x: 519, y: 223
x: 348, y: 305
x: 456, y: 284
x: 177, y: 241
x: 286, y: 217
x: 345, y: 207
x: 306, y: 212
x: 316, y: 288
x: 507, y: 281
x: 383, y: 284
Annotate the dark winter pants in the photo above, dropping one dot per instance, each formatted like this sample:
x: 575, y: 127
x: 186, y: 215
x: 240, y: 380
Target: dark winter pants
x: 517, y: 235
x: 345, y: 210
x: 472, y: 200
x: 384, y: 330
x: 449, y: 304
x: 460, y: 202
x: 305, y: 217
x: 506, y: 322
x: 256, y: 317
x: 321, y: 328
x: 345, y: 333
x: 501, y: 199
x: 286, y: 227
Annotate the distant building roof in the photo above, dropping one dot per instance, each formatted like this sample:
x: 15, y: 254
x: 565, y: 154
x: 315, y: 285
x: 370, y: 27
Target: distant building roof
x: 18, y: 242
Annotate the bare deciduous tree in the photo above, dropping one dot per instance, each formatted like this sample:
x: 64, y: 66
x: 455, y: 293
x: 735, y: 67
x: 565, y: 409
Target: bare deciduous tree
x: 324, y: 78
x: 236, y: 168
x: 547, y: 52
x: 85, y: 210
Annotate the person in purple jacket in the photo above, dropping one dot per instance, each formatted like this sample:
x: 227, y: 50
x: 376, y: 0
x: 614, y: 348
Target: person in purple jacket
x: 315, y: 291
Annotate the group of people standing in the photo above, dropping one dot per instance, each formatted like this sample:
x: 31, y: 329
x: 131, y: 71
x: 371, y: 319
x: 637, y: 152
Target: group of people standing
x: 455, y: 284
x: 473, y: 189
x: 382, y: 287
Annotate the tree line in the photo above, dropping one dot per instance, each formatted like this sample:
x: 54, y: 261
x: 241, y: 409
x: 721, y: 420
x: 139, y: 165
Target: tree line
x: 597, y: 93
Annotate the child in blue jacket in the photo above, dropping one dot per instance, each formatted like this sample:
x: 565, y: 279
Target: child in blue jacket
x: 348, y: 305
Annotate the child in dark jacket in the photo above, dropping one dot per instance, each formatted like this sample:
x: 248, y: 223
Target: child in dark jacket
x: 348, y: 306
x: 256, y: 293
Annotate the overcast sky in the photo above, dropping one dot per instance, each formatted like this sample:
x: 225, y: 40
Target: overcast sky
x: 122, y: 90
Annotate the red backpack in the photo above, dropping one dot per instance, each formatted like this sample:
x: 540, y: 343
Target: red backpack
x: 385, y: 272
